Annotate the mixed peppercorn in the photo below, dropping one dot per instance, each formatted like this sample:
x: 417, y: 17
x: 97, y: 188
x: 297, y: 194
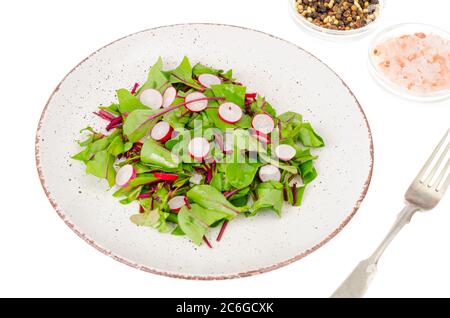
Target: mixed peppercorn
x: 339, y: 14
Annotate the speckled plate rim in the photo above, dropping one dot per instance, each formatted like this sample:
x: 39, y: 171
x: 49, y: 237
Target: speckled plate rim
x: 144, y: 268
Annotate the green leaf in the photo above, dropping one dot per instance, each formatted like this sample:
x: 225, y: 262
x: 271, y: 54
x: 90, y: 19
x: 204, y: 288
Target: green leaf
x: 241, y: 175
x: 195, y: 222
x: 183, y: 74
x: 290, y: 125
x: 270, y: 196
x: 155, y: 154
x: 308, y: 172
x: 200, y: 69
x: 143, y: 179
x: 263, y: 106
x: 113, y: 108
x: 131, y: 196
x: 147, y: 219
x: 232, y: 93
x: 156, y: 78
x: 210, y: 198
x: 309, y: 137
x: 102, y: 166
x: 116, y: 146
x: 128, y: 102
x: 137, y: 125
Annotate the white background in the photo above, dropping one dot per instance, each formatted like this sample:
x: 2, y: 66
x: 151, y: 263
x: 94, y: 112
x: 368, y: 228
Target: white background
x: 39, y: 256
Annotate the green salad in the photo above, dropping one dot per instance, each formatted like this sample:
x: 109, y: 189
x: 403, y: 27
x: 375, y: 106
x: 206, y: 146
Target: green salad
x: 195, y: 150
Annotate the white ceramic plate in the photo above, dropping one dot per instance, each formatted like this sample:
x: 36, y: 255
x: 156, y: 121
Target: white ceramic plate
x: 290, y: 77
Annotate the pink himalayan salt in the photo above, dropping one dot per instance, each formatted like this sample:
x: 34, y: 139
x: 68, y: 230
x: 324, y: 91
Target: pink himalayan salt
x: 418, y: 62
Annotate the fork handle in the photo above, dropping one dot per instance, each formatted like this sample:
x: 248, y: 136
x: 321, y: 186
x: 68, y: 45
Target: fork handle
x: 359, y: 279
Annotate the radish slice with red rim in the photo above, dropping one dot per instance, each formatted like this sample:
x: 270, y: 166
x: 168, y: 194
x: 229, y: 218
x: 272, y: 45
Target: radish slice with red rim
x: 176, y: 203
x: 199, y: 148
x: 269, y: 173
x: 169, y: 96
x: 263, y: 123
x: 285, y: 152
x: 230, y: 113
x: 161, y: 132
x: 209, y: 79
x: 199, y: 102
x: 124, y: 175
x: 262, y: 137
x: 151, y: 98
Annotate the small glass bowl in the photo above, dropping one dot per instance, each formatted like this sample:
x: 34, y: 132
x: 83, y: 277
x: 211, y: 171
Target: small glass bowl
x: 330, y: 34
x: 396, y: 31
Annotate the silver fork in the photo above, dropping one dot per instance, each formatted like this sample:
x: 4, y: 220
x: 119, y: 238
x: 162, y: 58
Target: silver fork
x: 424, y: 194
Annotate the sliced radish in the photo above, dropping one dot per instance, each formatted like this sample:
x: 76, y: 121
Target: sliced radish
x: 199, y: 148
x: 151, y: 98
x: 176, y: 203
x: 209, y: 79
x: 285, y: 152
x: 196, y: 178
x: 199, y: 102
x: 165, y: 176
x: 161, y: 132
x: 264, y: 138
x: 169, y: 96
x: 230, y: 113
x: 125, y: 175
x: 269, y: 173
x: 263, y: 123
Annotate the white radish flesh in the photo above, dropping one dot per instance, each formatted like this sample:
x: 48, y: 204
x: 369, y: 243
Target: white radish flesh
x: 263, y: 123
x: 199, y: 148
x: 209, y: 79
x: 285, y: 152
x: 169, y: 96
x: 176, y: 203
x: 196, y: 106
x: 151, y: 98
x: 196, y: 178
x: 262, y: 138
x: 124, y: 175
x: 230, y: 113
x: 162, y: 131
x: 269, y: 173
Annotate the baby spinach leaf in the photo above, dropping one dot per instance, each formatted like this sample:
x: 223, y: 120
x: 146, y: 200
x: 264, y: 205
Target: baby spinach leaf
x: 211, y: 198
x: 200, y: 69
x: 263, y: 106
x: 241, y: 175
x: 128, y: 102
x: 308, y: 172
x: 155, y: 154
x: 309, y: 137
x: 113, y: 108
x: 137, y: 124
x: 232, y: 93
x: 102, y: 166
x: 270, y: 196
x: 195, y: 222
x: 183, y: 74
x: 116, y: 147
x: 149, y: 218
x: 142, y: 179
x: 131, y: 196
x: 156, y: 78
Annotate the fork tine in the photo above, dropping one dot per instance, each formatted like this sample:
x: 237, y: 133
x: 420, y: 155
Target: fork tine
x: 441, y: 177
x: 433, y: 155
x: 437, y: 165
